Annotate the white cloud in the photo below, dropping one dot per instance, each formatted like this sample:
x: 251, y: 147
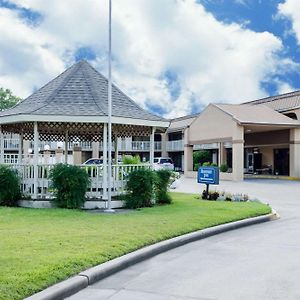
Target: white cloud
x: 213, y: 61
x: 291, y: 10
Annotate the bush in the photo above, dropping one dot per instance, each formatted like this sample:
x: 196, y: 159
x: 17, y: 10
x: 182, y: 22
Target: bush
x: 161, y: 184
x: 140, y: 188
x: 224, y: 168
x: 131, y: 160
x: 70, y: 184
x: 9, y: 187
x: 211, y: 195
x: 196, y: 166
x: 200, y: 157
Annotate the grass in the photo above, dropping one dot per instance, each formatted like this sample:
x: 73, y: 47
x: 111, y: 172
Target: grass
x: 41, y: 247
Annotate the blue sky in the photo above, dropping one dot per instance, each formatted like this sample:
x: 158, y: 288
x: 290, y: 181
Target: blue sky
x: 260, y: 16
x: 172, y: 57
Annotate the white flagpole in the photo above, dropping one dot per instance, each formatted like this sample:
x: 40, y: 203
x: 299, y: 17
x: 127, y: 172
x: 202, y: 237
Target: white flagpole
x: 109, y: 209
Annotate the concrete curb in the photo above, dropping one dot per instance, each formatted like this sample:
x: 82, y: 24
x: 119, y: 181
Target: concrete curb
x: 73, y: 285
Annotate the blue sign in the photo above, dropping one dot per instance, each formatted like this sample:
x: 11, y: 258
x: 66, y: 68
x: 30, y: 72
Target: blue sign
x: 208, y: 175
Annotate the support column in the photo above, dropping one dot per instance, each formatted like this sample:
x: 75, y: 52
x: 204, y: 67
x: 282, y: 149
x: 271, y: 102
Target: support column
x: 222, y: 154
x: 20, y: 153
x: 95, y: 149
x: 238, y: 154
x: 104, y: 184
x: 35, y: 160
x: 188, y: 154
x: 58, y: 155
x: 67, y: 147
x: 1, y: 146
x: 77, y: 155
x: 164, y: 141
x: 152, y: 146
x: 116, y: 150
x: 295, y: 152
x: 26, y: 146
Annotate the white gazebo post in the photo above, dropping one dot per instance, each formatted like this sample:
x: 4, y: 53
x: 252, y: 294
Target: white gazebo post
x: 66, y: 146
x: 104, y: 183
x: 20, y: 154
x: 116, y: 150
x: 35, y: 160
x: 152, y: 146
x: 1, y: 146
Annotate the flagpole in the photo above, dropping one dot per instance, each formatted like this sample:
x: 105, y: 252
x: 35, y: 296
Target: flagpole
x: 109, y: 209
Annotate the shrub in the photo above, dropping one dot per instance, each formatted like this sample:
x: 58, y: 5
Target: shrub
x: 131, y: 160
x: 70, y: 184
x: 161, y: 184
x: 211, y: 195
x: 140, y: 188
x: 200, y: 157
x: 9, y: 187
x: 206, y: 164
x: 196, y: 166
x: 224, y: 168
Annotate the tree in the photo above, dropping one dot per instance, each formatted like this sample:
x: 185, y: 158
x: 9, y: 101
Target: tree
x: 7, y: 99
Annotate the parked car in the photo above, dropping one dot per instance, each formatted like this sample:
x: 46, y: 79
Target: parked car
x: 94, y: 161
x: 163, y: 163
x: 99, y: 161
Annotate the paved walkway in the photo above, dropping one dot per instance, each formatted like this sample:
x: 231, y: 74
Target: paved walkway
x: 258, y: 262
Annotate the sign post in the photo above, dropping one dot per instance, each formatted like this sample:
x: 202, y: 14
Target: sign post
x: 208, y: 175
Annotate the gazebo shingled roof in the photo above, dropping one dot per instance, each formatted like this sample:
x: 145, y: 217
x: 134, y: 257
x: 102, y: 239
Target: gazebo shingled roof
x: 76, y: 102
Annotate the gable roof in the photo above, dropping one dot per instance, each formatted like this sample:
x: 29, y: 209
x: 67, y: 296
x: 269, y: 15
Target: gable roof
x: 258, y: 115
x: 79, y: 91
x: 281, y: 103
x: 182, y: 122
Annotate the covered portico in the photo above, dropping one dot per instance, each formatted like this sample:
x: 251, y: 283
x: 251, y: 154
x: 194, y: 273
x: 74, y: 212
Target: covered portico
x: 249, y: 139
x: 73, y: 108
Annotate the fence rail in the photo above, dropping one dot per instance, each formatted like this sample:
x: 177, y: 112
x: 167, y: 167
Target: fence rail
x: 123, y: 145
x: 95, y: 191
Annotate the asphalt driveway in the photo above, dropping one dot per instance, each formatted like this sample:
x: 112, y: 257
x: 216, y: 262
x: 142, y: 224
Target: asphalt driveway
x: 257, y: 262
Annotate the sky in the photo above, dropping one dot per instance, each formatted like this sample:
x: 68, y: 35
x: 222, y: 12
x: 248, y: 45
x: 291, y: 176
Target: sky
x: 173, y: 57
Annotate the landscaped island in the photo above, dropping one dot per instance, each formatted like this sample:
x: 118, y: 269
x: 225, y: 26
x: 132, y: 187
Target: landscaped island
x: 41, y: 247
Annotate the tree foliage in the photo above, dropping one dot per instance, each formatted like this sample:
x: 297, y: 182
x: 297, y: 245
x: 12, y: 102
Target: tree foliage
x: 200, y: 157
x: 7, y: 99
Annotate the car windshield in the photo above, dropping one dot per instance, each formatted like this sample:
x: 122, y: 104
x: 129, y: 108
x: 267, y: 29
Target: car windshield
x: 166, y: 161
x: 155, y: 160
x: 94, y: 162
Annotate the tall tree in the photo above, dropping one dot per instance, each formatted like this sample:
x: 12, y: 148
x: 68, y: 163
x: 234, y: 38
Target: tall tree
x: 7, y: 99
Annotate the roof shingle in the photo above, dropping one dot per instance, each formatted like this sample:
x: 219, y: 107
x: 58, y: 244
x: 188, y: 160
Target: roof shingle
x: 80, y: 91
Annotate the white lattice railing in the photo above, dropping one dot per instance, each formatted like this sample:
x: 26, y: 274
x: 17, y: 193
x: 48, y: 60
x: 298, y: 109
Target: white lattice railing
x: 95, y: 191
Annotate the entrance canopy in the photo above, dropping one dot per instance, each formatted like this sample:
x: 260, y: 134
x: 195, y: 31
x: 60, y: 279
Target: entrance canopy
x: 223, y: 122
x: 254, y: 128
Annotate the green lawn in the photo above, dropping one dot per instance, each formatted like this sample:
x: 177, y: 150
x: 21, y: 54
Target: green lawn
x: 41, y: 247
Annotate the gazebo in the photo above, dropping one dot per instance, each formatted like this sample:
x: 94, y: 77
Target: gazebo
x: 73, y: 107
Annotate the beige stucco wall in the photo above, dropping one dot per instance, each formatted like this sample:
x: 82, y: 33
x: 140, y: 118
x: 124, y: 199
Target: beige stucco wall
x: 275, y: 137
x: 188, y: 152
x: 212, y: 125
x: 295, y: 152
x: 267, y: 156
